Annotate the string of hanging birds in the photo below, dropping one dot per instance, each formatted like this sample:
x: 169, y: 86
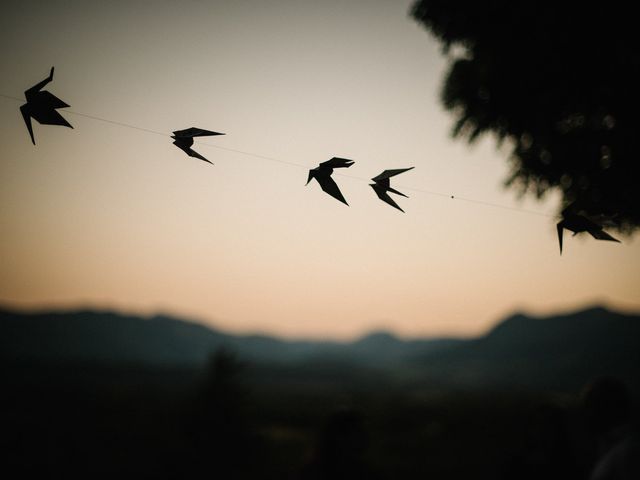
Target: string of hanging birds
x: 299, y: 165
x: 42, y: 106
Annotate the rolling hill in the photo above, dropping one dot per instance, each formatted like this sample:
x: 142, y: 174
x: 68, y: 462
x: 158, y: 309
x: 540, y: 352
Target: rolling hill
x: 559, y: 352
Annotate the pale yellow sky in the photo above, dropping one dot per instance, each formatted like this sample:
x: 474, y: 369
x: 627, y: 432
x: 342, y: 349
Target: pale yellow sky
x: 106, y: 216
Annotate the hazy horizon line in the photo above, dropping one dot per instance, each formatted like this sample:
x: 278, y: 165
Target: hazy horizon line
x: 150, y: 314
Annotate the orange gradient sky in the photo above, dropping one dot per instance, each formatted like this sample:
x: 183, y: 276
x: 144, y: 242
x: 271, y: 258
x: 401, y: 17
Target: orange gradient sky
x: 112, y: 217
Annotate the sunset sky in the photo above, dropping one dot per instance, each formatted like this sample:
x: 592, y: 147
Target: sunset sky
x: 105, y: 216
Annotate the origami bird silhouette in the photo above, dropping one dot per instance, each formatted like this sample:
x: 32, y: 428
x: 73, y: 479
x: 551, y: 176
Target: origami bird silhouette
x: 382, y: 186
x: 579, y: 223
x: 183, y: 139
x: 322, y: 174
x: 41, y: 105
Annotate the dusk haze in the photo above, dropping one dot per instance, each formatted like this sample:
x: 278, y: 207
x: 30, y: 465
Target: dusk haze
x: 110, y: 217
x: 313, y: 240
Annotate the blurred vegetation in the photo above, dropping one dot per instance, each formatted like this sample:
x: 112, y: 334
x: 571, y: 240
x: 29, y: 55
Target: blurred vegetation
x: 101, y: 396
x: 559, y: 83
x: 234, y: 420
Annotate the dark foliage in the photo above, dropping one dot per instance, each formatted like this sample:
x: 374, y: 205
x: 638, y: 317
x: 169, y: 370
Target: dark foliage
x: 500, y: 406
x: 559, y: 81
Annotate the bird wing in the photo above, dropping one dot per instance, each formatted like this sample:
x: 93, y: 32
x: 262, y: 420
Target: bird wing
x: 50, y: 100
x: 384, y: 196
x: 49, y: 116
x: 393, y: 190
x: 337, y: 162
x: 312, y: 174
x: 560, y: 228
x: 35, y: 90
x: 192, y: 153
x: 600, y: 234
x: 605, y: 219
x: 390, y: 173
x: 195, y: 132
x: 572, y: 208
x: 26, y: 114
x: 185, y: 148
x: 329, y: 186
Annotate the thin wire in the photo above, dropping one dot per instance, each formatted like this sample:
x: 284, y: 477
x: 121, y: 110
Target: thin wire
x: 504, y: 207
x: 272, y: 159
x: 12, y: 98
x: 128, y: 125
x: 121, y: 124
x: 455, y: 197
x: 242, y: 152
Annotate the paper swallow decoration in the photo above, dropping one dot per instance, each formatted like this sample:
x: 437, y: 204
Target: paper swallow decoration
x: 382, y: 185
x: 579, y: 223
x: 42, y: 105
x: 183, y: 139
x: 322, y: 174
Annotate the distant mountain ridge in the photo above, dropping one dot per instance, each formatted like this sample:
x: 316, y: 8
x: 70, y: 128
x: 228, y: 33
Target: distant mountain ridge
x: 557, y: 352
x: 161, y: 340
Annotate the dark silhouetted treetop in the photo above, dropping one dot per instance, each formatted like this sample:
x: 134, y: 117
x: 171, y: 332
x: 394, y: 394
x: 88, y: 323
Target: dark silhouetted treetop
x: 560, y: 82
